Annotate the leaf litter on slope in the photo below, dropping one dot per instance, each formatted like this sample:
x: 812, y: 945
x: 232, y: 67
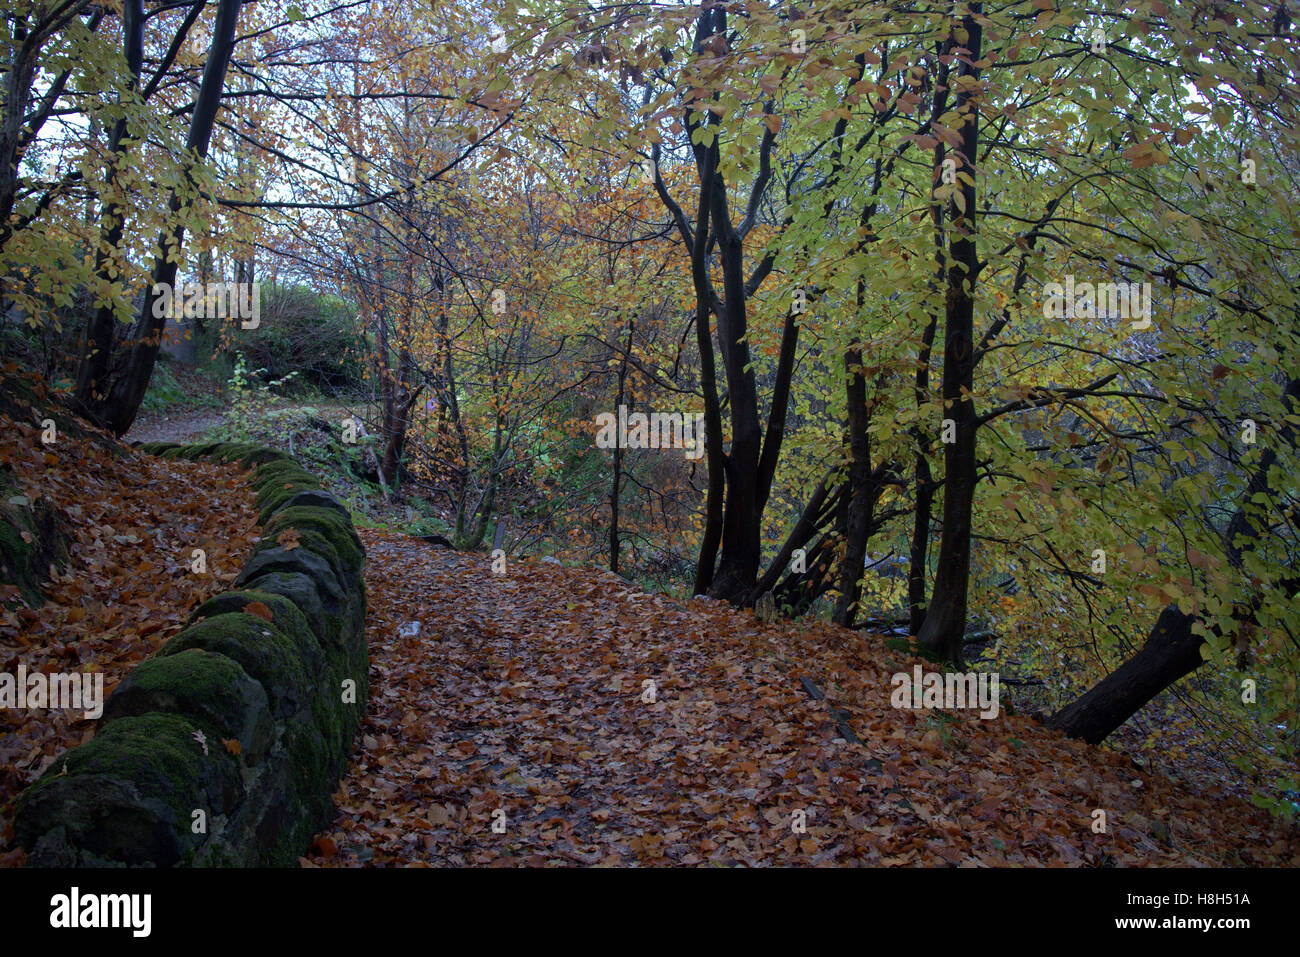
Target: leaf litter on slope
x: 520, y: 702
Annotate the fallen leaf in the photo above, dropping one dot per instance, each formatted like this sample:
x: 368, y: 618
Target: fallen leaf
x: 259, y: 609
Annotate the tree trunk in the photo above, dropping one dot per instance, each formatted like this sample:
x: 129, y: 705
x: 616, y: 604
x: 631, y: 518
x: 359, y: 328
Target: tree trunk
x: 19, y: 76
x: 945, y: 619
x: 1172, y: 651
x: 820, y: 506
x: 101, y: 337
x: 919, y: 553
x: 799, y: 590
x: 117, y: 410
x: 920, y: 548
x: 859, y: 496
x: 715, y: 460
x: 616, y: 483
x: 741, y: 542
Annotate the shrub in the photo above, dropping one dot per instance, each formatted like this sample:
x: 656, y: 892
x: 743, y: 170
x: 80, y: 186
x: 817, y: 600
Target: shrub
x: 305, y: 332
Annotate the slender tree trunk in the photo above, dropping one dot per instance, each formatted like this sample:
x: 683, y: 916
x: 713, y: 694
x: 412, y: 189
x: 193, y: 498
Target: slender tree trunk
x: 19, y: 75
x: 945, y: 619
x: 799, y: 590
x: 101, y: 337
x: 1170, y: 652
x: 716, y: 461
x: 820, y: 504
x: 919, y: 552
x: 857, y: 523
x: 616, y: 484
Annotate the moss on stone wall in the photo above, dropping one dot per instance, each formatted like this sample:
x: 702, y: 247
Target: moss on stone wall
x: 30, y: 541
x: 237, y: 717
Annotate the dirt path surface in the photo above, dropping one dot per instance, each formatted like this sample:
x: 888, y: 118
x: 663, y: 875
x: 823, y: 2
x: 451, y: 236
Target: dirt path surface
x: 517, y: 727
x: 173, y: 427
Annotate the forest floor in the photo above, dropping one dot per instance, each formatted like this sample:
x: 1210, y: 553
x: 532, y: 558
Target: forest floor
x: 515, y: 726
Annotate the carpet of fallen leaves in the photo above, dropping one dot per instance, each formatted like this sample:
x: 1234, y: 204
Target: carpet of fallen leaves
x: 513, y: 727
x: 127, y: 587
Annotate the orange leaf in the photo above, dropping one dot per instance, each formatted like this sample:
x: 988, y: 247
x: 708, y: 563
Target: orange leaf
x: 258, y: 609
x: 232, y: 745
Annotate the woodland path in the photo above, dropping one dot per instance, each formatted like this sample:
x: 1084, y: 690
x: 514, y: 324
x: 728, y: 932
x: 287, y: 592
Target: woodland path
x: 523, y: 693
x: 179, y: 427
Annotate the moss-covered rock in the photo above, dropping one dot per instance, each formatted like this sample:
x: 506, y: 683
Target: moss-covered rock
x: 270, y: 500
x: 31, y: 540
x: 203, y: 686
x: 332, y: 592
x: 129, y: 794
x: 281, y: 471
x: 202, y: 449
x: 234, y: 451
x: 285, y: 615
x: 319, y: 499
x: 341, y: 633
x: 304, y: 593
x: 324, y: 533
x: 282, y: 664
x: 313, y: 769
x: 263, y: 456
x: 333, y: 522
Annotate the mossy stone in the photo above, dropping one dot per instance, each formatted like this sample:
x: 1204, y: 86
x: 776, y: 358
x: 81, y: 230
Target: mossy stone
x: 304, y: 593
x: 285, y: 615
x: 313, y: 770
x: 267, y: 505
x: 129, y: 793
x: 31, y: 539
x: 324, y: 532
x: 234, y: 451
x: 335, y: 525
x: 200, y: 450
x: 277, y: 473
x: 285, y: 667
x: 263, y: 456
x: 273, y: 497
x: 271, y: 557
x: 342, y: 635
x: 203, y: 686
x: 319, y: 499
